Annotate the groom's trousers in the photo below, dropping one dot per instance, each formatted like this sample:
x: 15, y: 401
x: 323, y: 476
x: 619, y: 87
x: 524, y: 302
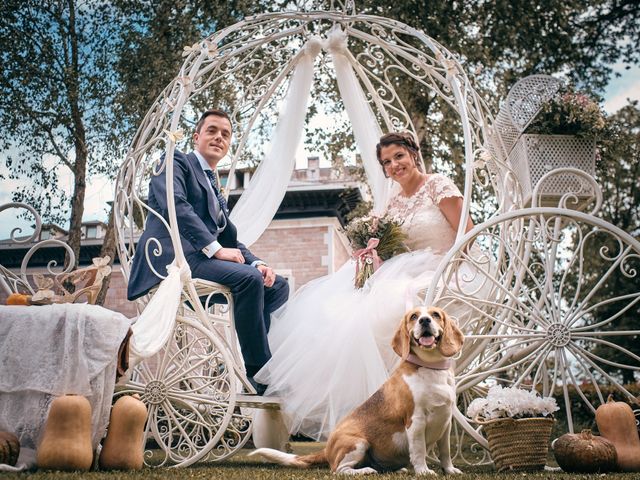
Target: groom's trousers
x: 253, y: 303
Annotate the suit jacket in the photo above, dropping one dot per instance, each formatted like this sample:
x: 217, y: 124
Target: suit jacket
x: 196, y: 223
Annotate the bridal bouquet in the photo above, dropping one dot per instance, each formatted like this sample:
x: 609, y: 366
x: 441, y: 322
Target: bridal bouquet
x: 569, y: 113
x: 374, y: 240
x: 511, y: 403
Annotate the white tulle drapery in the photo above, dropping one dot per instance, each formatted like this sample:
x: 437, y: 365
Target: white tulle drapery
x: 366, y: 129
x: 261, y: 199
x: 154, y: 325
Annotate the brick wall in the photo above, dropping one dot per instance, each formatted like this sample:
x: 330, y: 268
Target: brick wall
x: 341, y: 249
x: 117, y: 295
x: 302, y: 246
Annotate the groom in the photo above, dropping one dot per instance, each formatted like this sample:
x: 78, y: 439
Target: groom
x: 209, y: 241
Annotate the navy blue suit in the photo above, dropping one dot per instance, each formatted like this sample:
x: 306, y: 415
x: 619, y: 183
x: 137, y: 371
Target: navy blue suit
x: 195, y: 211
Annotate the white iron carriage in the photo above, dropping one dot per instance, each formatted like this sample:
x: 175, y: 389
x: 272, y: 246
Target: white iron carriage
x: 527, y: 327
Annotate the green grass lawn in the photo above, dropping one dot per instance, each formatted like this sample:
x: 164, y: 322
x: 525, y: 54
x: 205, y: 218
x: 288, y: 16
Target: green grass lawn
x: 241, y: 467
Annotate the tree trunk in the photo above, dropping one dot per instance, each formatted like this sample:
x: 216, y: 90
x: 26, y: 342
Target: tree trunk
x: 108, y: 248
x: 77, y: 206
x: 80, y: 145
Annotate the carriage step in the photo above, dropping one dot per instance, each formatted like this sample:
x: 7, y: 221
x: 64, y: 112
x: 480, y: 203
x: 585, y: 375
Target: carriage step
x: 257, y: 401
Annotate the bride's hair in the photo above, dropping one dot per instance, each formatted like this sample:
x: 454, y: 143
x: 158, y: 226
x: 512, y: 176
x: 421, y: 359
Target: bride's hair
x: 404, y: 139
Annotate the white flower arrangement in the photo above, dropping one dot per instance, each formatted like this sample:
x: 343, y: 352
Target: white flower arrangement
x: 511, y: 403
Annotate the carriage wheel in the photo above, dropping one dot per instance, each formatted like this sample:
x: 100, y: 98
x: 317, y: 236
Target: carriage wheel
x: 547, y: 299
x: 238, y: 431
x: 189, y: 389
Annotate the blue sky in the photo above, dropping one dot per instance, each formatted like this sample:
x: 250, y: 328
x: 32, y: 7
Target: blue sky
x: 100, y: 190
x: 619, y: 89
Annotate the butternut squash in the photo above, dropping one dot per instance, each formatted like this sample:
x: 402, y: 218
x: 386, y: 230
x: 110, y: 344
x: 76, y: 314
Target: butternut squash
x: 617, y: 424
x: 123, y: 449
x: 66, y: 440
x: 9, y: 448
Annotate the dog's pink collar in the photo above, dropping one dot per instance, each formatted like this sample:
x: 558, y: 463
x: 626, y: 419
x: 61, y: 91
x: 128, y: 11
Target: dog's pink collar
x: 441, y: 365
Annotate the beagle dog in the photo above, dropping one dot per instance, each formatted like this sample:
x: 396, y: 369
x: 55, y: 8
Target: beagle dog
x: 407, y: 415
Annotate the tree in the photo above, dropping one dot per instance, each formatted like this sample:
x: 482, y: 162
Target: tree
x: 619, y: 170
x: 77, y: 79
x: 151, y: 42
x: 500, y: 42
x: 497, y: 43
x: 55, y: 91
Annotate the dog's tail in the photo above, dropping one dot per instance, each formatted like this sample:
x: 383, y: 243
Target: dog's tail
x: 291, y: 460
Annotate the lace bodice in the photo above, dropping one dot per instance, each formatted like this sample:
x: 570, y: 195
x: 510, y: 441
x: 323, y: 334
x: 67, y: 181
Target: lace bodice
x: 422, y: 220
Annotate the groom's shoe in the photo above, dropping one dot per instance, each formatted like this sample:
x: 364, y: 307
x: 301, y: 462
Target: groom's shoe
x: 259, y: 387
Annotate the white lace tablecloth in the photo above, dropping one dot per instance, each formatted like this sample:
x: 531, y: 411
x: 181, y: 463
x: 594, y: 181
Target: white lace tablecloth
x: 52, y: 350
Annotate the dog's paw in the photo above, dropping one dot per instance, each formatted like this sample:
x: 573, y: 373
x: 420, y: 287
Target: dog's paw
x: 452, y: 471
x: 357, y: 471
x: 424, y: 470
x: 367, y: 471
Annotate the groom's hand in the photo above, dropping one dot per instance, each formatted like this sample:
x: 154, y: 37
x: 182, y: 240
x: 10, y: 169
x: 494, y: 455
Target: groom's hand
x: 230, y: 255
x: 268, y: 275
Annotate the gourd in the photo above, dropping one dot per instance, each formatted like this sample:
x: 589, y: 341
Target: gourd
x: 9, y: 448
x: 66, y: 440
x: 123, y: 447
x: 617, y: 424
x: 19, y: 299
x: 584, y: 452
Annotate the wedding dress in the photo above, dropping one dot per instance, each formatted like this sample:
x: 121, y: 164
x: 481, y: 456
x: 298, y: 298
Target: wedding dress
x: 331, y: 343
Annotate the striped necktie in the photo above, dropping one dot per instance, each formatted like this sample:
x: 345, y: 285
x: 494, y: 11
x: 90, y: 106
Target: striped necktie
x: 214, y: 184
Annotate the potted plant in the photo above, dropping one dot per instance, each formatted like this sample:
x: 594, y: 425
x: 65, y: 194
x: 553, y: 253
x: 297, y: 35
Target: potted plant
x: 517, y: 424
x: 562, y: 133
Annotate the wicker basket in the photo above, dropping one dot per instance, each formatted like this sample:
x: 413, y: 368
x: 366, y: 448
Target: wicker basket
x: 518, y: 445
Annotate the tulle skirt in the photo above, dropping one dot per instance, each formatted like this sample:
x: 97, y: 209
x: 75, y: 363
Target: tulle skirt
x: 331, y: 343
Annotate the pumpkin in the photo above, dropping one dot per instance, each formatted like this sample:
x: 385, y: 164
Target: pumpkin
x: 9, y: 448
x: 584, y: 452
x: 19, y: 299
x: 123, y: 447
x: 66, y: 439
x: 617, y: 424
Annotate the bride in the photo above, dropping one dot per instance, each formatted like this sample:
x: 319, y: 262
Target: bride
x: 331, y: 343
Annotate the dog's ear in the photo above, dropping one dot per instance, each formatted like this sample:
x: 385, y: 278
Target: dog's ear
x: 400, y: 343
x: 452, y: 337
